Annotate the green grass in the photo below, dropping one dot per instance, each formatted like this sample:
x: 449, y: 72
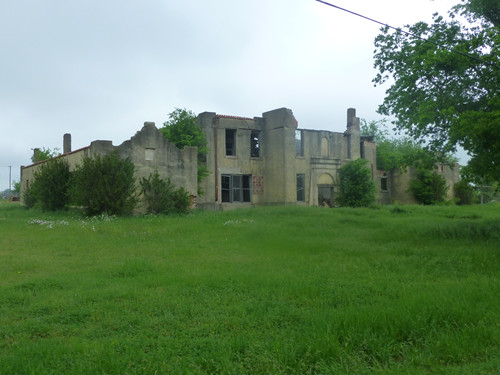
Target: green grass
x: 277, y: 290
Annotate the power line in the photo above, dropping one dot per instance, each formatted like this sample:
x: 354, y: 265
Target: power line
x: 409, y: 33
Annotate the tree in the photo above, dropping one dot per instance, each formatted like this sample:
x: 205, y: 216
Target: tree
x: 446, y: 82
x: 17, y: 187
x: 464, y: 193
x: 50, y: 188
x: 182, y: 130
x: 399, y: 152
x: 428, y: 187
x: 356, y: 186
x: 44, y: 154
x: 105, y: 184
x: 162, y: 197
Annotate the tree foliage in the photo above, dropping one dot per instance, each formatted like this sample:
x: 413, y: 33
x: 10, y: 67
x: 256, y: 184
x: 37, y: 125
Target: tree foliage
x: 428, y: 187
x: 446, y: 82
x: 162, y: 197
x: 50, y: 188
x: 41, y: 154
x: 105, y: 184
x: 399, y: 152
x: 464, y: 193
x: 356, y: 186
x: 182, y: 129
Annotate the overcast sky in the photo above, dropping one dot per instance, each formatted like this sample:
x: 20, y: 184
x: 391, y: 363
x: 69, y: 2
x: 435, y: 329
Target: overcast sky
x: 100, y: 69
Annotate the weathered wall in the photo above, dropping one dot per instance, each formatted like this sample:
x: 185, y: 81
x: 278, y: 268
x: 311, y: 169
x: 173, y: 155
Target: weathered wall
x: 398, y: 184
x: 274, y: 172
x: 148, y: 150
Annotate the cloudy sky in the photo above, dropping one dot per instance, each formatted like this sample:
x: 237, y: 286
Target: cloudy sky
x: 100, y: 69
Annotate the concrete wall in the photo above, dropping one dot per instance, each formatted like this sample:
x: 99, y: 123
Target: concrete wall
x: 274, y: 172
x: 398, y: 184
x: 148, y: 150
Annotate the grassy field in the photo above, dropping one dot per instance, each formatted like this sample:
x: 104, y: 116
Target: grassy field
x: 277, y: 290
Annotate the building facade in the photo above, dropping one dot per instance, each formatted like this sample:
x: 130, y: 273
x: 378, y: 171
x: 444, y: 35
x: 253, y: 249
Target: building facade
x: 264, y: 160
x: 148, y: 149
x: 269, y: 160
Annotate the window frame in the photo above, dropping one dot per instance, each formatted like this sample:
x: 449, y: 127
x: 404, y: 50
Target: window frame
x: 255, y: 144
x: 299, y: 143
x: 301, y: 187
x: 230, y: 142
x: 236, y: 188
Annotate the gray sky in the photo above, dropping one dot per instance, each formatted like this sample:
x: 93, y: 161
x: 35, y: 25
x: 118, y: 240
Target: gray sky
x: 100, y: 69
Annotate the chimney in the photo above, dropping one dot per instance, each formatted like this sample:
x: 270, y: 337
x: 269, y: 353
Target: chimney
x: 66, y: 143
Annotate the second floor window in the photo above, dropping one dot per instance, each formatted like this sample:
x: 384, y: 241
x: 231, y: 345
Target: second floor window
x: 299, y: 143
x: 230, y: 142
x: 255, y: 144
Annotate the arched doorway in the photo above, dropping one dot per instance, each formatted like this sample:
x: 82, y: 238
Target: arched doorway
x: 325, y: 190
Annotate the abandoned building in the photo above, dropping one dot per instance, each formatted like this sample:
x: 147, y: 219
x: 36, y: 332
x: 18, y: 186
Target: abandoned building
x: 264, y: 160
x: 268, y: 160
x: 148, y: 149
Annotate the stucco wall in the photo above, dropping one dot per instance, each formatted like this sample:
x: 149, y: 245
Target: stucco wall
x: 148, y: 150
x: 275, y: 171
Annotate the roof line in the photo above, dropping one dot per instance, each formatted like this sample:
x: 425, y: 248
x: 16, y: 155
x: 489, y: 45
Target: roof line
x: 56, y: 157
x: 235, y: 117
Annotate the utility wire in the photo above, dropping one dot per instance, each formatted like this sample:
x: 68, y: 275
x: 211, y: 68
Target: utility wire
x: 410, y: 34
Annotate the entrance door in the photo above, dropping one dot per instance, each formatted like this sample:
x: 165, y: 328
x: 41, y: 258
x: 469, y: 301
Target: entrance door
x: 325, y: 190
x: 325, y: 196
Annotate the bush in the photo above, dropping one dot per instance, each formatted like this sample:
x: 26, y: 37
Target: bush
x: 428, y: 187
x: 357, y: 188
x: 105, y: 184
x: 162, y: 197
x: 464, y: 193
x: 29, y: 196
x: 50, y: 189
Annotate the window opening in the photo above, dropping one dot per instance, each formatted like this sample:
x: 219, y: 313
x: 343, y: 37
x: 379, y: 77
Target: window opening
x: 383, y: 182
x: 236, y: 188
x: 255, y: 144
x: 299, y: 143
x: 231, y: 142
x: 301, y: 188
x: 150, y: 154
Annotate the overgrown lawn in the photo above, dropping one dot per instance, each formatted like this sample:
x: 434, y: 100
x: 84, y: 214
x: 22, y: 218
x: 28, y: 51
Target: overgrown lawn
x: 277, y: 290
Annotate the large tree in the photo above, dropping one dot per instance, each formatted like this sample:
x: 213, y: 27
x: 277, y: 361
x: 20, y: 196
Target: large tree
x: 182, y: 129
x: 445, y: 82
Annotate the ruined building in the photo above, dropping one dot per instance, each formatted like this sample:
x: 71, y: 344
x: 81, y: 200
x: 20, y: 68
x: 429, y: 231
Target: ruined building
x: 147, y: 149
x: 264, y: 160
x: 268, y: 160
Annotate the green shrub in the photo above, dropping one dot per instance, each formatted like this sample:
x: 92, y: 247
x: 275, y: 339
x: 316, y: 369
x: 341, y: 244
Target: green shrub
x: 357, y: 188
x: 105, y: 184
x: 29, y: 195
x: 428, y: 187
x: 162, y: 197
x: 50, y: 189
x: 464, y: 193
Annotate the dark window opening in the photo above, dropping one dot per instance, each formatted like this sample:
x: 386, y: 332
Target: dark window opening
x: 299, y: 143
x: 231, y: 142
x: 236, y: 188
x: 301, y: 188
x: 255, y: 144
x: 383, y: 182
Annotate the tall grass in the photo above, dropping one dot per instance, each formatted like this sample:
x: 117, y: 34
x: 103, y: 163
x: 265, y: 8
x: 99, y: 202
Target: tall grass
x: 281, y: 290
